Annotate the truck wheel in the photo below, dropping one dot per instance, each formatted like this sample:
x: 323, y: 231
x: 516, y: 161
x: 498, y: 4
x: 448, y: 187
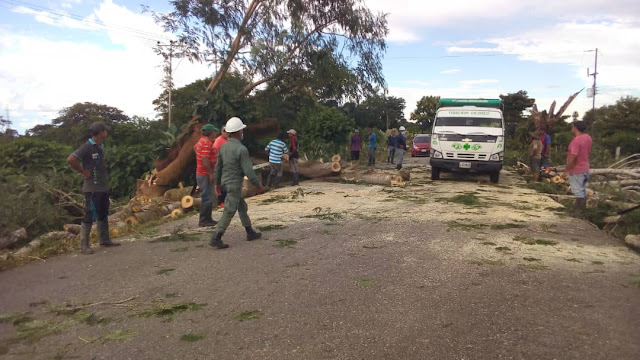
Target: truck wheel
x: 435, y: 173
x: 494, y: 177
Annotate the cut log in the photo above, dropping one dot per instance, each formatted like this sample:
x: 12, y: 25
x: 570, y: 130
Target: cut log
x: 131, y: 220
x: 633, y: 240
x: 189, y: 202
x: 12, y: 238
x: 176, y: 213
x: 628, y: 172
x: 72, y: 228
x: 147, y: 216
x: 335, y: 167
x: 336, y: 158
x: 377, y: 177
x: 612, y: 219
x: 177, y: 194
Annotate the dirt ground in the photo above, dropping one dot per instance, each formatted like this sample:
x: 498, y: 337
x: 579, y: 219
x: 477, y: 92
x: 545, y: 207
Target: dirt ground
x: 343, y: 271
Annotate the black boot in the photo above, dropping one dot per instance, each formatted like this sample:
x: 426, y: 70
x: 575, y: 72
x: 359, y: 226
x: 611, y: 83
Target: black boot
x: 103, y: 233
x: 579, y: 207
x: 216, y: 241
x: 252, y: 234
x: 205, y: 216
x: 85, y: 239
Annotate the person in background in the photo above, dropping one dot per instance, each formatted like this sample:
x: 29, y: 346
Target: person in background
x: 535, y: 149
x: 220, y: 140
x: 294, y: 145
x: 401, y: 146
x: 206, y: 157
x: 391, y: 146
x: 356, y: 145
x: 275, y: 150
x: 372, y: 146
x: 89, y: 161
x: 546, y: 145
x: 234, y: 163
x: 577, y: 170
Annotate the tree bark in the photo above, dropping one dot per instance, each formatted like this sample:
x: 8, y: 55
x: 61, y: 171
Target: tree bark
x: 12, y: 238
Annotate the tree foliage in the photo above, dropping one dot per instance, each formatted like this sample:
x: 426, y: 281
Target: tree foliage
x: 616, y: 125
x: 425, y: 112
x: 326, y: 130
x: 264, y: 38
x: 380, y: 111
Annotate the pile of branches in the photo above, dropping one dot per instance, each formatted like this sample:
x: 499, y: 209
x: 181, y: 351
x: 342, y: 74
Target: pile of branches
x: 625, y: 174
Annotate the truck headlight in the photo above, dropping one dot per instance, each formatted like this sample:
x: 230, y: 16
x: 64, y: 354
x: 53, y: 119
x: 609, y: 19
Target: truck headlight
x: 436, y: 154
x: 497, y: 157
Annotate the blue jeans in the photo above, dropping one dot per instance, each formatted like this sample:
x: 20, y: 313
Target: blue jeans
x: 372, y: 156
x: 578, y: 184
x: 206, y: 194
x: 391, y: 154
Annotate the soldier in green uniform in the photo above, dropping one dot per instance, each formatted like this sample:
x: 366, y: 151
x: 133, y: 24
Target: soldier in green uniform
x: 233, y: 165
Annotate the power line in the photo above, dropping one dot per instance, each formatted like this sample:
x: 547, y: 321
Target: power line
x: 475, y: 55
x: 82, y: 19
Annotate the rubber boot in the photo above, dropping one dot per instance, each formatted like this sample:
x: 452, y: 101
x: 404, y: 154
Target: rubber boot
x: 252, y: 234
x: 103, y: 233
x: 579, y: 207
x: 296, y: 179
x: 216, y: 241
x: 85, y: 239
x: 205, y: 216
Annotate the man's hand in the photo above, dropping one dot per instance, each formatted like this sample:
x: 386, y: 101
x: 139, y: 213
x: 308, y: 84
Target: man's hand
x: 261, y: 190
x: 565, y: 175
x: 217, y: 190
x: 86, y: 174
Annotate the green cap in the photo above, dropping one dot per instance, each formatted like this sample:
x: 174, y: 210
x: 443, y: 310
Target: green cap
x: 208, y: 129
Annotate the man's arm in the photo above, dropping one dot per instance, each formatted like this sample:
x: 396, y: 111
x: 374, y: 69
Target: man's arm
x: 247, y: 167
x: 74, y: 162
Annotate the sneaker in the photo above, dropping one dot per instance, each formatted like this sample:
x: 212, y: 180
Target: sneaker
x: 221, y: 205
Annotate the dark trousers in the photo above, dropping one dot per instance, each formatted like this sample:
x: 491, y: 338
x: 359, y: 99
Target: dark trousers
x: 355, y: 155
x: 372, y: 156
x: 96, y: 206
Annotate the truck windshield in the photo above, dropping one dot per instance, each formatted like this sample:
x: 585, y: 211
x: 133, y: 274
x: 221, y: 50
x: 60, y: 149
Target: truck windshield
x: 468, y: 121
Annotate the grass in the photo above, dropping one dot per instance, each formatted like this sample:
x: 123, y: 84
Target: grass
x: 373, y: 246
x: 636, y: 282
x: 191, y: 337
x: 372, y: 219
x: 324, y: 214
x: 172, y: 295
x: 464, y: 226
x: 507, y: 226
x: 120, y: 335
x: 531, y: 241
x: 550, y: 228
x: 271, y: 227
x: 468, y: 199
x: 286, y: 243
x: 167, y: 311
x: 597, y: 262
x: 534, y: 266
x: 503, y: 248
x: 276, y: 199
x: 487, y: 262
x: 178, y: 235
x: 489, y: 243
x: 164, y: 271
x: 365, y: 283
x: 529, y: 258
x: 248, y: 315
x: 180, y: 249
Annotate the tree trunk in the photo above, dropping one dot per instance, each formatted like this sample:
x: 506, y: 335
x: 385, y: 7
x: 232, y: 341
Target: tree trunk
x: 377, y: 177
x: 12, y: 238
x: 177, y: 194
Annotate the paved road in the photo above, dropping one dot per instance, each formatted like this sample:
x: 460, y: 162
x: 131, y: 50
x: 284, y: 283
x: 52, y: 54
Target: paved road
x: 371, y: 273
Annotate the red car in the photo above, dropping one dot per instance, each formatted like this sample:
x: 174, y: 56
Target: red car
x: 421, y: 145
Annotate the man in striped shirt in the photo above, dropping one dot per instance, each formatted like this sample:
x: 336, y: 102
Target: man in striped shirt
x: 275, y: 150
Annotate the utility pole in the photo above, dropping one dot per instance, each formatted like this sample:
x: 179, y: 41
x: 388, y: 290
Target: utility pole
x: 170, y: 71
x: 593, y: 89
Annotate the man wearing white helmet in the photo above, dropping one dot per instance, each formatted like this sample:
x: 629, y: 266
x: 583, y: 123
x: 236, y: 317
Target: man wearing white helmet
x: 401, y: 146
x: 232, y: 166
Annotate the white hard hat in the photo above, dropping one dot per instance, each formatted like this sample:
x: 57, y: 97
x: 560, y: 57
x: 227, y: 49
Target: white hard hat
x: 291, y: 131
x: 234, y: 125
x: 401, y: 128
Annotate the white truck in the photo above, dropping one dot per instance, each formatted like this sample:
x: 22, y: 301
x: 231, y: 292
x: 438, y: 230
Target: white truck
x: 468, y: 135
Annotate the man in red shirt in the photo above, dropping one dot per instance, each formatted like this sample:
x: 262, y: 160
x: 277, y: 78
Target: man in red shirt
x: 220, y: 140
x: 577, y: 170
x: 206, y: 156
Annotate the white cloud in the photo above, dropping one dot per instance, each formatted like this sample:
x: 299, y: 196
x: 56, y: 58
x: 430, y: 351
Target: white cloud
x: 450, y: 71
x: 468, y: 83
x: 458, y: 49
x: 38, y: 74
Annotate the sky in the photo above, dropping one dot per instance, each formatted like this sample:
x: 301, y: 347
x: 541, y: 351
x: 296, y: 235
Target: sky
x: 54, y: 54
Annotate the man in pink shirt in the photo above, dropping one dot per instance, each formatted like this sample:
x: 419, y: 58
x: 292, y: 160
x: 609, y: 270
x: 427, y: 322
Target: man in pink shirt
x: 577, y: 170
x: 220, y: 140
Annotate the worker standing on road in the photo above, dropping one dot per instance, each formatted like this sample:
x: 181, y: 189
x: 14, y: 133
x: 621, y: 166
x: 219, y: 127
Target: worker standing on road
x: 232, y: 166
x: 391, y: 146
x: 372, y: 146
x: 89, y: 160
x: 577, y: 170
x: 535, y: 149
x: 220, y: 140
x: 401, y: 146
x: 206, y: 157
x: 356, y: 145
x: 294, y: 146
x: 275, y: 150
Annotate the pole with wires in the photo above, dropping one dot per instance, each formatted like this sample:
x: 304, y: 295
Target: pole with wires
x: 169, y: 82
x: 593, y: 91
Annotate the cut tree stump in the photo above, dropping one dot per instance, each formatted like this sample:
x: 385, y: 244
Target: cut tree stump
x: 189, y: 202
x: 178, y: 193
x: 12, y: 238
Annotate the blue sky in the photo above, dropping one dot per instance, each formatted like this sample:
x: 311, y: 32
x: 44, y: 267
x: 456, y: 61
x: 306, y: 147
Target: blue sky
x: 56, y: 53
